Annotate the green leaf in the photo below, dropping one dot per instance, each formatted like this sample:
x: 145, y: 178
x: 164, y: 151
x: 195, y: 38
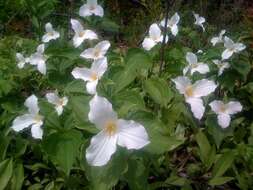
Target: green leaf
x: 159, y: 90
x: 220, y: 180
x: 18, y: 177
x: 6, y: 169
x: 63, y: 148
x: 223, y: 163
x: 4, y: 143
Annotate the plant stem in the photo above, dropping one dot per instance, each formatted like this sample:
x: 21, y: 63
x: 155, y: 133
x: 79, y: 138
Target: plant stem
x: 164, y: 37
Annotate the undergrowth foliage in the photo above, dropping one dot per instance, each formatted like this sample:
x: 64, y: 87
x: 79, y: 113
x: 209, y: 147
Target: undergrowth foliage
x: 174, y: 113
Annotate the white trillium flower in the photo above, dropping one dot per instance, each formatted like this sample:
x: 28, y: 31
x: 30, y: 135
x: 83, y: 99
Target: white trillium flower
x: 97, y: 52
x: 194, y: 65
x: 194, y: 92
x: 224, y: 111
x: 218, y: 39
x: 59, y: 103
x: 221, y: 65
x: 231, y: 48
x: 199, y: 21
x: 90, y: 8
x: 92, y: 75
x: 39, y: 59
x: 51, y: 34
x: 81, y: 34
x: 33, y: 118
x: 155, y: 36
x: 21, y: 60
x: 114, y: 131
x: 172, y: 23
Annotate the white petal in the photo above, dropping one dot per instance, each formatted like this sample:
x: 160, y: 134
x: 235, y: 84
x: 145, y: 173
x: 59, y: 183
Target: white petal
x: 186, y: 69
x: 233, y: 107
x: 59, y: 109
x: 217, y: 106
x: 154, y: 32
x: 91, y: 87
x: 101, y: 111
x: 203, y: 87
x: 175, y: 19
x: 239, y: 47
x: 181, y: 83
x: 174, y: 30
x: 101, y: 148
x: 49, y: 27
x: 216, y: 62
x: 215, y: 40
x: 46, y: 38
x: 21, y: 60
x: 41, y: 48
x: 103, y: 47
x: 42, y: 67
x: 92, y: 2
x: 76, y: 26
x: 84, y: 11
x: 131, y: 135
x: 77, y: 40
x: 37, y: 132
x: 191, y: 58
x: 201, y: 68
x: 22, y: 122
x: 227, y: 53
x: 32, y: 104
x: 224, y: 66
x: 82, y: 73
x: 99, y: 11
x: 148, y: 44
x: 88, y: 53
x: 224, y: 120
x: 197, y: 107
x: 64, y: 100
x: 53, y: 98
x: 228, y: 43
x: 222, y: 33
x: 89, y: 34
x: 99, y: 66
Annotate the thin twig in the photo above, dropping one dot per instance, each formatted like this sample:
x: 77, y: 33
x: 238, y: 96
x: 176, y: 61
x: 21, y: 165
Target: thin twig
x: 164, y: 37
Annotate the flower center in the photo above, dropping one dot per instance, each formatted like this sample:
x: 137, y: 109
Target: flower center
x: 50, y: 33
x: 81, y: 34
x: 38, y: 118
x: 194, y: 65
x: 111, y: 128
x: 94, y: 76
x: 96, y: 53
x: 223, y: 108
x: 92, y: 7
x: 189, y: 91
x: 61, y: 102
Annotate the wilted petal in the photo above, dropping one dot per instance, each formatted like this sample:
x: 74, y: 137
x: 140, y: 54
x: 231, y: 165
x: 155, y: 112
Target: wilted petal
x: 131, y: 135
x: 36, y: 131
x: 203, y: 87
x: 233, y: 107
x: 148, y: 44
x: 22, y: 122
x: 181, y: 83
x: 197, y: 107
x: 191, y: 58
x: 101, y: 111
x: 91, y: 87
x: 224, y: 120
x: 102, y: 147
x: 32, y: 104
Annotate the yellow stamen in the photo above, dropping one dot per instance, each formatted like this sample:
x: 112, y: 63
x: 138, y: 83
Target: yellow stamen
x: 223, y: 108
x: 38, y: 118
x: 61, y: 102
x: 92, y: 8
x: 94, y: 76
x: 194, y: 65
x: 50, y: 33
x: 111, y: 128
x: 96, y: 53
x: 81, y: 34
x: 189, y: 91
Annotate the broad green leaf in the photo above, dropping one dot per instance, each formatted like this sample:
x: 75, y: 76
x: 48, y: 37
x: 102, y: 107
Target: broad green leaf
x: 17, y: 177
x: 220, y: 180
x: 176, y: 180
x: 223, y: 163
x: 76, y: 86
x: 159, y: 90
x: 63, y: 148
x: 6, y: 168
x: 4, y: 143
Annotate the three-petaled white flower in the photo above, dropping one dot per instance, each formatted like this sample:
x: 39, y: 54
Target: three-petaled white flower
x: 51, y: 34
x: 221, y: 65
x: 22, y: 60
x: 199, y: 20
x: 172, y: 23
x: 231, y: 48
x: 92, y: 75
x: 33, y: 118
x: 218, y: 39
x: 81, y: 34
x: 194, y: 65
x: 39, y: 59
x: 225, y: 110
x: 90, y: 8
x: 155, y: 36
x: 97, y: 52
x: 194, y: 92
x: 59, y: 103
x: 114, y: 131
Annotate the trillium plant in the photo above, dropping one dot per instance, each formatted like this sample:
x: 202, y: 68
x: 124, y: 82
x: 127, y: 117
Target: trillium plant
x: 111, y: 105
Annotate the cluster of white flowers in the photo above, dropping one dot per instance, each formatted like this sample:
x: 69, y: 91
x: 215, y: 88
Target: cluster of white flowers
x: 113, y: 131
